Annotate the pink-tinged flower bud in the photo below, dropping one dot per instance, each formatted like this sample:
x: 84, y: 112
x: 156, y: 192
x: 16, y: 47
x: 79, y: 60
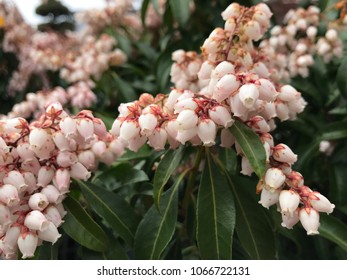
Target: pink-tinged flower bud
x: 129, y: 130
x: 258, y: 124
x: 311, y: 32
x: 85, y: 128
x: 100, y: 128
x: 38, y: 137
x: 309, y: 219
x: 268, y: 198
x: 99, y: 148
x: 185, y: 104
x: 185, y: 135
x: 15, y: 125
x: 3, y: 146
x: 11, y: 236
x: 50, y: 234
x: 158, y: 139
x: 249, y: 94
x: 178, y: 56
x: 221, y: 116
x: 222, y: 69
x: 230, y: 25
x: 108, y: 157
x: 290, y: 219
x: 68, y: 126
x: 274, y: 178
x: 232, y: 11
x: 147, y: 123
x: 225, y: 87
x: 35, y: 220
x: 62, y: 180
x: 45, y: 176
x: 15, y: 178
x: 51, y: 193
x: 79, y: 172
x: 87, y: 158
x: 267, y: 90
x: 65, y: 159
x: 264, y: 8
x: 322, y: 204
x: 9, y: 195
x: 116, y: 147
x: 253, y: 30
x: 38, y: 201
x: 205, y: 70
x: 115, y: 129
x: 288, y: 93
x: 52, y: 214
x: 171, y: 100
x: 27, y: 243
x: 246, y: 168
x: 61, y: 141
x: 24, y: 151
x: 30, y: 180
x: 210, y: 46
x: 187, y: 119
x: 283, y: 153
x: 237, y: 107
x: 207, y: 131
x: 331, y: 35
x: 227, y: 138
x: 282, y: 111
x: 135, y: 143
x: 289, y: 201
x: 61, y: 209
x: 5, y: 215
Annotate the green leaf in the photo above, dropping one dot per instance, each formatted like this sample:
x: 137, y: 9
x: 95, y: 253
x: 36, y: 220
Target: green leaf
x: 229, y: 157
x: 251, y: 146
x: 166, y: 167
x: 342, y: 77
x: 155, y: 230
x: 181, y: 11
x: 113, y: 209
x: 333, y: 229
x: 144, y: 8
x: 215, y: 214
x: 338, y: 178
x: 125, y: 92
x: 121, y: 175
x: 334, y: 131
x: 143, y: 152
x: 80, y: 226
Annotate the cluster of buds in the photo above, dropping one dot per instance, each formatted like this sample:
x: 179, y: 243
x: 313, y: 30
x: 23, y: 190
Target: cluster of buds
x: 92, y: 59
x: 184, y: 70
x: 37, y: 162
x: 292, y: 47
x: 117, y: 14
x: 285, y: 188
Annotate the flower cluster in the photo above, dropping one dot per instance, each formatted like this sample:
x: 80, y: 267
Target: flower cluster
x: 230, y: 81
x: 37, y: 162
x: 292, y: 47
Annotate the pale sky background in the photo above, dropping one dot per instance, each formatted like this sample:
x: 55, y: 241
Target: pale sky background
x: 27, y: 7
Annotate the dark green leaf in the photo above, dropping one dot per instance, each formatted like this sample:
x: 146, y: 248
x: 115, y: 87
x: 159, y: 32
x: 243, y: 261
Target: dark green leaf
x: 144, y: 8
x: 113, y: 209
x: 181, y: 11
x: 80, y: 226
x: 125, y: 92
x: 334, y: 230
x: 144, y: 152
x: 342, y: 77
x: 166, y: 167
x: 215, y: 214
x: 229, y: 157
x: 338, y: 179
x: 251, y: 146
x: 156, y: 229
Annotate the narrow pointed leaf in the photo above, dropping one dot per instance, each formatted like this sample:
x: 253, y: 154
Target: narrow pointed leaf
x: 333, y: 229
x: 80, y: 226
x: 251, y: 146
x: 342, y: 77
x: 180, y: 9
x: 166, y: 167
x: 144, y: 8
x: 157, y: 228
x: 113, y: 209
x: 215, y: 214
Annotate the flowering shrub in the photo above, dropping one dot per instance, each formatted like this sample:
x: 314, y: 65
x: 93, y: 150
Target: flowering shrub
x: 182, y: 173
